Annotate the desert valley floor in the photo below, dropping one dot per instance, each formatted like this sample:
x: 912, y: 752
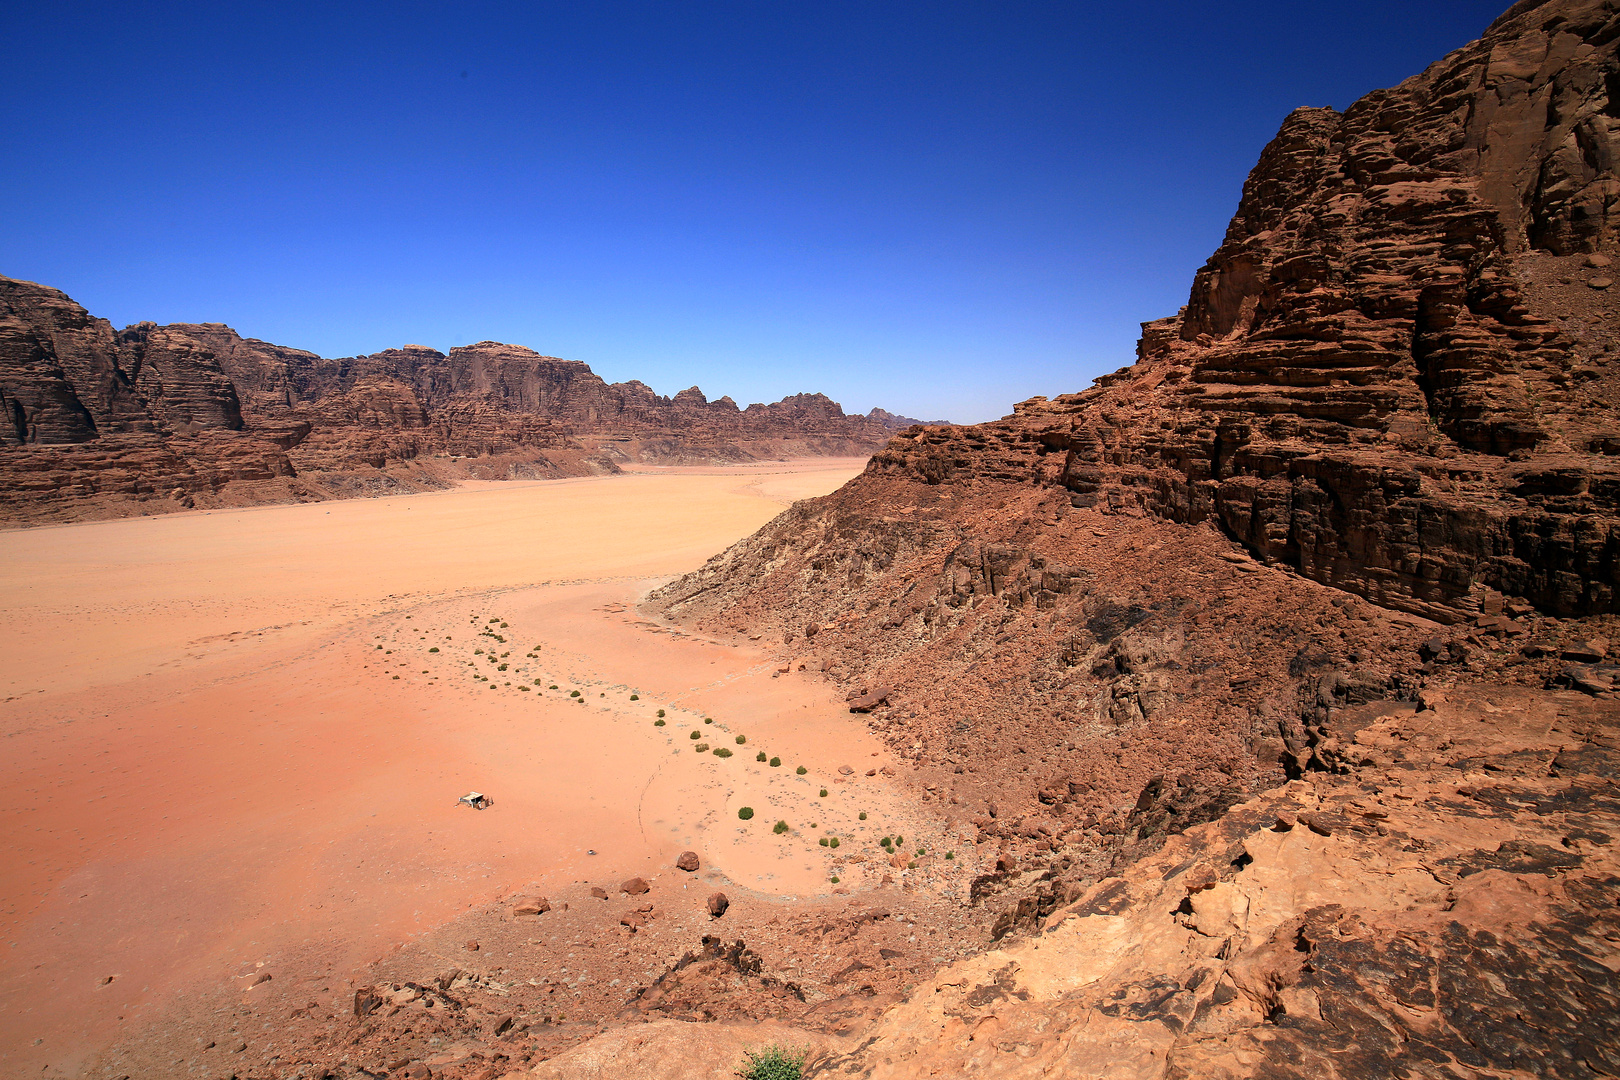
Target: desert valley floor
x: 234, y: 742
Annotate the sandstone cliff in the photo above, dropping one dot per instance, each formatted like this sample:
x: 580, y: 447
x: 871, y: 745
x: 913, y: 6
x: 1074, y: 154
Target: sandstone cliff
x: 1373, y: 458
x: 156, y: 418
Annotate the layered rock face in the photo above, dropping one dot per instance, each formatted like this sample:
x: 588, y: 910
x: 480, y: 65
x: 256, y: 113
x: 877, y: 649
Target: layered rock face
x: 157, y: 418
x: 1396, y: 374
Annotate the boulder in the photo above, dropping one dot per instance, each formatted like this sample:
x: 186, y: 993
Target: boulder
x: 718, y: 903
x: 688, y: 861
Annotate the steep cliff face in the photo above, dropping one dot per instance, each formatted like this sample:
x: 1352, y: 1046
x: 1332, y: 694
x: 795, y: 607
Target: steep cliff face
x: 157, y: 418
x: 1374, y: 450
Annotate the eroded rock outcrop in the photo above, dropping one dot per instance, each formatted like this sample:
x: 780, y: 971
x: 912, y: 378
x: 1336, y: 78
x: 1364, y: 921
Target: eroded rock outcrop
x: 156, y: 418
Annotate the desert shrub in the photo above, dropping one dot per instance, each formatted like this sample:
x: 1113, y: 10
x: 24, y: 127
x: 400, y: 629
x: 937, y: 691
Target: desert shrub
x: 635, y: 697
x: 434, y: 649
x: 801, y: 770
x: 501, y: 668
x: 832, y: 841
x: 834, y: 880
x: 912, y: 865
x: 760, y: 756
x: 396, y: 676
x: 660, y: 714
x: 950, y: 854
x: 823, y: 793
x: 658, y: 723
x: 721, y: 751
x: 537, y: 682
x: 523, y: 688
x: 772, y: 1063
x: 742, y: 740
x: 480, y: 650
x: 696, y: 735
x: 708, y: 719
x: 822, y: 841
x: 863, y: 815
x: 779, y: 828
x: 503, y: 626
x: 776, y: 763
x: 553, y: 686
x: 476, y: 652
x: 746, y: 812
x: 886, y: 842
x: 702, y: 748
x: 899, y: 840
x: 573, y: 693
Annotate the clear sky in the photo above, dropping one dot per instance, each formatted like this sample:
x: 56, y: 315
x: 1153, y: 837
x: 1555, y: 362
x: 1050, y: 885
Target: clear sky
x: 938, y: 208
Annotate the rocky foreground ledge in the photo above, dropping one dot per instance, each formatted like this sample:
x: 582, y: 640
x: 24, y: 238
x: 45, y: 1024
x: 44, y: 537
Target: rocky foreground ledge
x: 1446, y: 903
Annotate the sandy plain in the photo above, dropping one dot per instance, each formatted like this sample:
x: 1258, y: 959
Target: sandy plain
x: 236, y: 732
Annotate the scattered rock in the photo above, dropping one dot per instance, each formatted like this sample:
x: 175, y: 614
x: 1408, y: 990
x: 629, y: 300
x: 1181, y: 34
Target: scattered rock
x: 1598, y: 261
x: 688, y: 861
x: 1586, y: 652
x: 1599, y: 282
x: 599, y: 892
x: 634, y: 886
x: 718, y: 905
x: 471, y: 946
x: 868, y: 702
x: 531, y: 905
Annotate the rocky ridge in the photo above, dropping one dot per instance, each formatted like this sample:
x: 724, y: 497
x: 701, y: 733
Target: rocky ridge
x: 157, y: 418
x: 1371, y: 461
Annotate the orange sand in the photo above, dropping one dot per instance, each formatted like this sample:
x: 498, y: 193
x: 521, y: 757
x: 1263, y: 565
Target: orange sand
x: 208, y: 759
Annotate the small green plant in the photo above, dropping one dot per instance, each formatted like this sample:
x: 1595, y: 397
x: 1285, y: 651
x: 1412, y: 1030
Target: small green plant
x: 553, y: 686
x: 760, y: 756
x: 721, y: 751
x: 658, y: 723
x: 573, y: 693
x: 635, y: 697
x: 823, y: 793
x: 746, y: 812
x: 696, y: 734
x: 501, y: 668
x: 480, y: 650
x: 503, y: 626
x: 742, y: 740
x: 776, y: 763
x: 702, y: 748
x: 708, y: 719
x: 396, y: 676
x: 912, y: 865
x: 773, y: 1063
x: 779, y: 828
x: 950, y: 854
x: 832, y: 841
x: 899, y: 840
x: 823, y: 842
x: 524, y: 688
x: 801, y: 770
x: 537, y: 682
x: 920, y: 851
x: 434, y: 649
x: 886, y: 843
x: 863, y: 815
x: 834, y: 880
x: 660, y: 714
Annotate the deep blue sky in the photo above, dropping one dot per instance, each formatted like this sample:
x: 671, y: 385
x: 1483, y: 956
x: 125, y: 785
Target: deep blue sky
x: 937, y: 208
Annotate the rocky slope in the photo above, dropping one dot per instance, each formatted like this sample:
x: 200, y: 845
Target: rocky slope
x: 1373, y: 457
x: 156, y: 418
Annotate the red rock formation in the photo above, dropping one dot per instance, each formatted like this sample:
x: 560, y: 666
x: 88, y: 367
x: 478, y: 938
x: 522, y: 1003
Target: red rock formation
x: 160, y: 417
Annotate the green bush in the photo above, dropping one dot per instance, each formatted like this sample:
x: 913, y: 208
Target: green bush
x: 899, y: 840
x: 776, y: 763
x: 746, y: 812
x: 760, y: 756
x: 702, y: 748
x: 573, y: 693
x: 742, y: 740
x: 537, y: 682
x: 832, y: 841
x: 920, y: 851
x: 721, y: 751
x: 822, y: 841
x: 635, y: 697
x: 708, y: 719
x: 950, y: 854
x: 658, y: 723
x: 835, y: 880
x: 886, y: 842
x: 863, y: 815
x: 912, y: 865
x: 501, y: 668
x: 553, y: 686
x: 773, y: 1063
x: 434, y: 649
x: 660, y: 714
x: 779, y: 828
x: 801, y: 770
x: 476, y: 652
x: 696, y: 734
x: 823, y: 793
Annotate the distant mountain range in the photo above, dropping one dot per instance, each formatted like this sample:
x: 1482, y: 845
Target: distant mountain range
x: 98, y: 422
